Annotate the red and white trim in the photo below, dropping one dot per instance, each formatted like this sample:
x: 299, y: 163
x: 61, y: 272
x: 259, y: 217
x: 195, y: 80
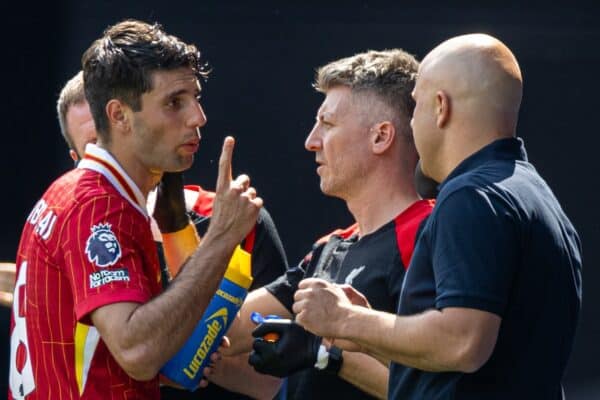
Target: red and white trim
x: 101, y: 161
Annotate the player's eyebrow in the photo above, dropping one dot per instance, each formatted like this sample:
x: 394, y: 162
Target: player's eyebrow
x: 178, y: 92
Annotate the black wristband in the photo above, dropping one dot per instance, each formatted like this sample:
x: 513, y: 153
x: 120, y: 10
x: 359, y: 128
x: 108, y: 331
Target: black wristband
x: 334, y: 364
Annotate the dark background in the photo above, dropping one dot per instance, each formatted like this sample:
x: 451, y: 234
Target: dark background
x: 263, y: 57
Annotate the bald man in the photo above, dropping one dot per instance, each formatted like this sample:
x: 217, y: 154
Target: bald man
x: 491, y: 299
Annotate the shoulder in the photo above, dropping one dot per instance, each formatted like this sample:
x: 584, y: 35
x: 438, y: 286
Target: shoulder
x: 343, y: 233
x: 85, y: 192
x: 415, y: 213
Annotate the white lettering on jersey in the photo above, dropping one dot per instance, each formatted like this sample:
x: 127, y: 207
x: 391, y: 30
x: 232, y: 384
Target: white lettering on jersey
x: 37, y: 211
x: 353, y: 274
x: 43, y: 219
x: 21, y: 378
x: 102, y: 277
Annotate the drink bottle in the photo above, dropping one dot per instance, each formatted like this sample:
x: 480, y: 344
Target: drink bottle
x: 185, y: 368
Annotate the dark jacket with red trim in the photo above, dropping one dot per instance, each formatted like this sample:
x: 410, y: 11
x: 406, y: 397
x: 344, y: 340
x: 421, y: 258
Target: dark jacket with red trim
x: 374, y: 265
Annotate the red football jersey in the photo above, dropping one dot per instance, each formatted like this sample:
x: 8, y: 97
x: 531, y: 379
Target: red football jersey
x: 86, y: 243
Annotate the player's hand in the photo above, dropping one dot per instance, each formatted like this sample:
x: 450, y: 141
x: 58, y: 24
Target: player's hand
x: 294, y: 348
x: 215, y: 358
x: 355, y: 297
x: 236, y: 204
x: 170, y: 212
x: 426, y: 187
x: 321, y: 307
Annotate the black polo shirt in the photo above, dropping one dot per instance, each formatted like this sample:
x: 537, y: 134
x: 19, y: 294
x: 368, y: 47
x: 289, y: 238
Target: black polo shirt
x: 497, y: 241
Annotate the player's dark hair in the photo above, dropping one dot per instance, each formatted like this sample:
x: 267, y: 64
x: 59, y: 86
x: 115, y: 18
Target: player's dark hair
x: 120, y: 64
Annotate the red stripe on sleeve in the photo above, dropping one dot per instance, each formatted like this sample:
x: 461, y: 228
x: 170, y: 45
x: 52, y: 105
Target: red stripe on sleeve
x: 249, y: 240
x: 407, y: 225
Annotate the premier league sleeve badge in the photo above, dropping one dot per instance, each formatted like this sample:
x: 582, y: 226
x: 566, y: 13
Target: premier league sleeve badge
x: 102, y: 247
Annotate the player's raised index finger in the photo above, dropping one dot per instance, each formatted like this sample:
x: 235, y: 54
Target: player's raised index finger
x: 224, y: 178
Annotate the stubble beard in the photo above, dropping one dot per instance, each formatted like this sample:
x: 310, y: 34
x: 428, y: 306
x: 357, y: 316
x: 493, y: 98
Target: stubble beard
x: 167, y: 162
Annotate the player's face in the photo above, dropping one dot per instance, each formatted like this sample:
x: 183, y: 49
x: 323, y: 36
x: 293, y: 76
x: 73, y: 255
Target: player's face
x: 81, y: 128
x: 340, y: 142
x: 423, y: 123
x: 167, y: 128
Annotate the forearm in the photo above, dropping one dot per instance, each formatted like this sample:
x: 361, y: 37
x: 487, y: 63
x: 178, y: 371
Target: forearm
x: 235, y: 374
x: 366, y: 373
x: 240, y: 333
x: 143, y: 337
x: 179, y: 246
x: 448, y: 340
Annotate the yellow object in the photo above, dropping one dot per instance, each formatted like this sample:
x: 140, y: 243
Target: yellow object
x: 239, y: 270
x: 179, y: 246
x: 81, y: 332
x: 86, y: 341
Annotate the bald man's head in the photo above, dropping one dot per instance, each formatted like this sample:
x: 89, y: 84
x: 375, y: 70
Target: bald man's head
x: 468, y: 93
x: 482, y: 77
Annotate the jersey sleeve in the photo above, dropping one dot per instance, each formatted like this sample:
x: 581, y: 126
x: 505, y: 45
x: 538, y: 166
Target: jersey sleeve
x: 103, y: 256
x: 474, y: 251
x: 268, y: 256
x: 284, y: 287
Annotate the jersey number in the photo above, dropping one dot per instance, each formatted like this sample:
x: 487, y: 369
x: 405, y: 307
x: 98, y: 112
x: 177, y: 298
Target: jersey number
x: 21, y: 374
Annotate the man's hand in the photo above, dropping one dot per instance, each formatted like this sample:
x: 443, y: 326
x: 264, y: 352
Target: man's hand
x: 236, y: 205
x: 355, y: 297
x: 294, y: 349
x: 169, y: 211
x: 207, y: 371
x: 321, y: 307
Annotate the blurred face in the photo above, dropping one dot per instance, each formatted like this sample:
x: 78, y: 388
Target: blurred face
x: 80, y: 127
x: 166, y: 131
x: 340, y: 142
x: 423, y: 122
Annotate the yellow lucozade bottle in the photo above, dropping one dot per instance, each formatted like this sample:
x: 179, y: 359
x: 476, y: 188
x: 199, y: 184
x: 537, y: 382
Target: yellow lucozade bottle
x: 185, y: 368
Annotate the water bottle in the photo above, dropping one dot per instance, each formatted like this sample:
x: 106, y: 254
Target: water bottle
x: 185, y: 368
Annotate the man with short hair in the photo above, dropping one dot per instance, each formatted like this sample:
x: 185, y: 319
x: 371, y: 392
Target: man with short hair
x: 491, y: 300
x: 74, y: 117
x: 90, y: 319
x: 268, y: 259
x: 366, y: 156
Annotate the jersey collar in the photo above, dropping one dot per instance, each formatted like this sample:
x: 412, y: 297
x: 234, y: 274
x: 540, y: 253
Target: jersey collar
x: 500, y: 149
x: 99, y: 160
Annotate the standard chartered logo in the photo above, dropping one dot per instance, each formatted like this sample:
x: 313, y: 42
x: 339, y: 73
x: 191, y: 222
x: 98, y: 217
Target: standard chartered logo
x: 214, y: 325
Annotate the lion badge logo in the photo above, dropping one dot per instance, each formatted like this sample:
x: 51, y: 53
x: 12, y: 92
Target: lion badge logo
x: 102, y: 247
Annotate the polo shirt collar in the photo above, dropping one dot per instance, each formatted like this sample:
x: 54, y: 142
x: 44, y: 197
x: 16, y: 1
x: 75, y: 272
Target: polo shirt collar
x: 501, y: 149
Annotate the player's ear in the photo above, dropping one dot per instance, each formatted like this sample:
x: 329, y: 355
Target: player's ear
x: 382, y: 136
x: 73, y: 155
x: 118, y: 114
x: 442, y: 109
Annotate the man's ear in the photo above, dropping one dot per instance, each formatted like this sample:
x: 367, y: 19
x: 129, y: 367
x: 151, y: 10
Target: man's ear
x: 118, y: 115
x: 442, y: 109
x: 383, y: 135
x: 73, y: 155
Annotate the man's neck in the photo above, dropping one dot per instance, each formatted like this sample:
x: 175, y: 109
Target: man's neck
x: 383, y: 201
x: 144, y: 178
